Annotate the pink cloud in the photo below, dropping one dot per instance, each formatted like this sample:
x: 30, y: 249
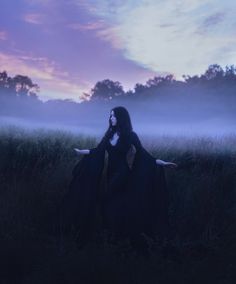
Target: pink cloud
x: 17, y: 65
x: 102, y: 31
x: 92, y: 8
x: 33, y: 18
x: 109, y: 34
x: 47, y: 74
x: 87, y: 27
x: 65, y: 89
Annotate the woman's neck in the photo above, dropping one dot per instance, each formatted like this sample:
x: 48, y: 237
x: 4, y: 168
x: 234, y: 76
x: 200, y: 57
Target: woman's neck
x: 114, y: 139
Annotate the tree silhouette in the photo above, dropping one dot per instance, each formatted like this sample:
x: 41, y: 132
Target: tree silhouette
x: 230, y: 72
x: 191, y: 80
x: 19, y: 85
x: 160, y: 81
x: 24, y: 86
x: 107, y: 90
x: 139, y: 88
x: 214, y: 71
x: 3, y: 81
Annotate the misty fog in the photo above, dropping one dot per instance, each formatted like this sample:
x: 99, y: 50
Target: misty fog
x: 165, y: 114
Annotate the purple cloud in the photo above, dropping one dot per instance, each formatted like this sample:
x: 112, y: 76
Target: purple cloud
x: 3, y: 35
x: 33, y: 18
x: 214, y: 19
x: 210, y: 22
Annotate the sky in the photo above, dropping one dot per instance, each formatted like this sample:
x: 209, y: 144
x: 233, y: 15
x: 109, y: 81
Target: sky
x: 66, y: 46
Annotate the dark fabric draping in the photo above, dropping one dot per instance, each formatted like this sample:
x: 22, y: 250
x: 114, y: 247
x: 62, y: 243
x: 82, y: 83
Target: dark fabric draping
x: 135, y: 200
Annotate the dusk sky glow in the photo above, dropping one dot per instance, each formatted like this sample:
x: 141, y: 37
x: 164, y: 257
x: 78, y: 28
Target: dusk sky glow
x: 66, y: 46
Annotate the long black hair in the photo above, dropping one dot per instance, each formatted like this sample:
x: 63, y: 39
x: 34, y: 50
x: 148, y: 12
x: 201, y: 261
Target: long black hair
x: 123, y: 125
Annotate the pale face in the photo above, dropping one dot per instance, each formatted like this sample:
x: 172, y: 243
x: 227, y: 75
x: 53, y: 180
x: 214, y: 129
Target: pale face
x: 113, y: 118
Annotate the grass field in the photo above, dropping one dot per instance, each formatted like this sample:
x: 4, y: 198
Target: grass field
x: 35, y: 171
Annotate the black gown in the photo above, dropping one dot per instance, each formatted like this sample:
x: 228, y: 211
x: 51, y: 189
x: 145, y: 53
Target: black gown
x: 135, y: 198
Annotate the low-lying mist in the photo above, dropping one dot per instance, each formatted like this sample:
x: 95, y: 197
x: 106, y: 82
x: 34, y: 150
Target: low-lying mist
x: 171, y: 115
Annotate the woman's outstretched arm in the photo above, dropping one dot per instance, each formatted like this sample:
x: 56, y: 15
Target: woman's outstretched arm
x: 82, y: 151
x: 166, y: 164
x: 101, y: 145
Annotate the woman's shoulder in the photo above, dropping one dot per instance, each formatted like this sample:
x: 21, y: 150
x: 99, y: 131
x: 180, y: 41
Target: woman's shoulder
x: 134, y: 136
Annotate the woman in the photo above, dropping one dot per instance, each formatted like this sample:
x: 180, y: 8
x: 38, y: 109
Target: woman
x: 135, y: 200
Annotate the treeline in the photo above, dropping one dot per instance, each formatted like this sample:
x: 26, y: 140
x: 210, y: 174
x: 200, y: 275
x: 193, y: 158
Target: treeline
x: 209, y: 94
x: 22, y: 87
x: 215, y: 75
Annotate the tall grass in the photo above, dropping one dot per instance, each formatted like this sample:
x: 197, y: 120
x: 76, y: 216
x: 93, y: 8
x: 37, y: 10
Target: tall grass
x: 35, y: 171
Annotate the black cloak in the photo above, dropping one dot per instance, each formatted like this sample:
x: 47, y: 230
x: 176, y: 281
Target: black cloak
x: 137, y: 201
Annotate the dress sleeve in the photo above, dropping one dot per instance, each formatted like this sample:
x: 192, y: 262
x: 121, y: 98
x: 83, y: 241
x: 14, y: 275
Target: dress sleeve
x: 95, y: 157
x: 78, y: 207
x: 138, y: 145
x: 136, y: 142
x: 101, y: 147
x: 148, y: 189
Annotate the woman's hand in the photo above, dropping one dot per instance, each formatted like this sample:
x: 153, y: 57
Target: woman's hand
x: 167, y: 164
x: 170, y: 165
x: 81, y: 152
